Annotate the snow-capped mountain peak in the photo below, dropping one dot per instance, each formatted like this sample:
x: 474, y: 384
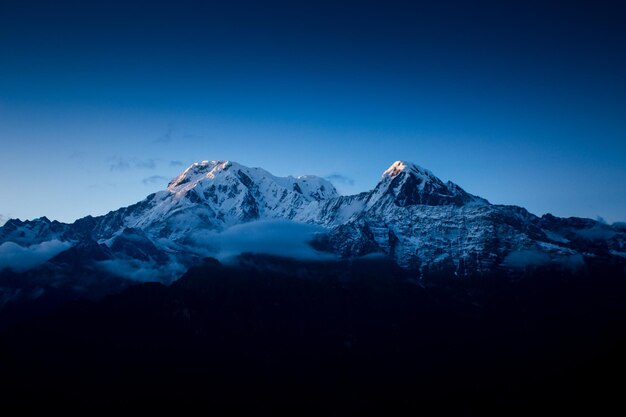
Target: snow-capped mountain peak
x: 198, y: 171
x: 400, y: 167
x: 406, y: 184
x: 215, y: 195
x: 230, y: 173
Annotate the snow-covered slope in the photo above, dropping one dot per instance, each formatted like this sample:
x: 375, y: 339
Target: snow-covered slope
x: 215, y: 195
x: 411, y: 215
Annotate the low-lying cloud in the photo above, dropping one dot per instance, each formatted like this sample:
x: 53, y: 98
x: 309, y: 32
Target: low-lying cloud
x: 534, y: 257
x: 529, y: 257
x: 21, y: 258
x: 142, y: 271
x: 271, y: 237
x: 596, y: 233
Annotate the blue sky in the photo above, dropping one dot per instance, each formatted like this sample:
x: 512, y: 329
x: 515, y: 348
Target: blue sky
x: 101, y: 104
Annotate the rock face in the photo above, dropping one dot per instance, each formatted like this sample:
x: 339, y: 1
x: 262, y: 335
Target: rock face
x: 411, y: 216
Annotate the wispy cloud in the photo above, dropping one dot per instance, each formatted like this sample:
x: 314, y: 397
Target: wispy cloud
x: 174, y: 135
x: 20, y: 258
x: 141, y: 271
x: 145, y: 164
x: 76, y: 155
x: 340, y: 179
x: 177, y: 163
x: 167, y: 137
x: 117, y: 163
x: 154, y: 179
x: 191, y: 136
x: 102, y: 185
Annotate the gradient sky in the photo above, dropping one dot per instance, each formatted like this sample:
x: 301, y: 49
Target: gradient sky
x: 102, y: 104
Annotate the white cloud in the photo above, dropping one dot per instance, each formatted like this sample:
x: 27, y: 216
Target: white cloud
x: 272, y: 237
x: 20, y: 258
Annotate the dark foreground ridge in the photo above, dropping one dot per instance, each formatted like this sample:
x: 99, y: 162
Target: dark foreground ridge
x: 276, y: 336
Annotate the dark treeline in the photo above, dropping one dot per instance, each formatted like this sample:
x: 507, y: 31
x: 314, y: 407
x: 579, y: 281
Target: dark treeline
x: 273, y: 335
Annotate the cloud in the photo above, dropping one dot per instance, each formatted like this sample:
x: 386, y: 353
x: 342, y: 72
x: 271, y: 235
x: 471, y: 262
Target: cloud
x: 167, y: 137
x: 20, y: 258
x: 154, y: 179
x: 101, y: 185
x: 174, y: 135
x: 272, y: 237
x: 176, y: 163
x: 338, y: 178
x: 534, y: 257
x: 117, y: 163
x: 145, y: 164
x: 192, y: 136
x: 620, y: 225
x: 528, y: 257
x: 596, y: 233
x: 76, y: 155
x: 142, y: 271
x: 3, y: 219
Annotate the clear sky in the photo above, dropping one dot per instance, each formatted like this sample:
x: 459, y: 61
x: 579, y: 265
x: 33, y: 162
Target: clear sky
x: 519, y: 102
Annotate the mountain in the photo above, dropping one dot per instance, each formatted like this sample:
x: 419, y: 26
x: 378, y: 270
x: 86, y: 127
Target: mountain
x: 283, y: 295
x: 423, y: 224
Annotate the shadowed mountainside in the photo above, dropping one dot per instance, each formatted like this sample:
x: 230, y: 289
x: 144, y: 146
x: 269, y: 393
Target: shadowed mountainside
x: 273, y: 335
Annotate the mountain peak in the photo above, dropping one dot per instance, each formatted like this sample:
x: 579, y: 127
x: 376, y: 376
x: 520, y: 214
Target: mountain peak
x: 199, y: 170
x: 400, y: 167
x: 409, y: 184
x: 229, y: 172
